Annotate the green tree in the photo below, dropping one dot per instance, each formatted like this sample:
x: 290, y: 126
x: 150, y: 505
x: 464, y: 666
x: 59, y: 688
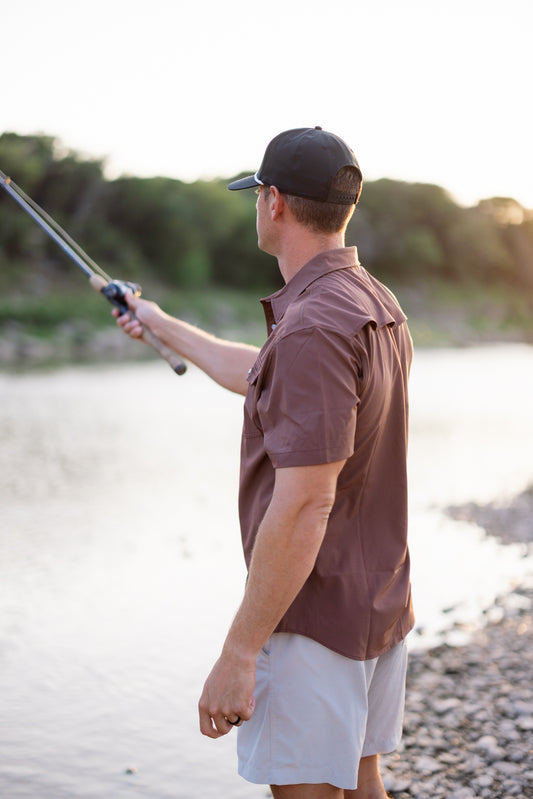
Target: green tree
x: 401, y: 228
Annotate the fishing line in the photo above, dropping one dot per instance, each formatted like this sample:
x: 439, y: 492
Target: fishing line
x: 54, y: 225
x: 113, y: 290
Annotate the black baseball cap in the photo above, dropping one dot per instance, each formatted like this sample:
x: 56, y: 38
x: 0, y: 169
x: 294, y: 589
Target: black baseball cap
x: 304, y: 162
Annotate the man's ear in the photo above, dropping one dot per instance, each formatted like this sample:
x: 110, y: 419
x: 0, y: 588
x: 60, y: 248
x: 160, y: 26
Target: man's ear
x: 277, y: 202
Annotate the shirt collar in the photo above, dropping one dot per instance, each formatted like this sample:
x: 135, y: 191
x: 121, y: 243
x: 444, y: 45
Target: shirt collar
x: 276, y: 304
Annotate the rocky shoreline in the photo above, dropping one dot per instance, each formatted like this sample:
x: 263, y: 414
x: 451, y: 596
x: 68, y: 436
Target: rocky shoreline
x: 71, y: 344
x: 468, y: 731
x: 510, y: 523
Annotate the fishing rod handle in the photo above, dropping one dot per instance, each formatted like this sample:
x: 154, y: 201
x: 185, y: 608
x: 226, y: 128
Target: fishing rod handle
x: 165, y: 352
x: 148, y: 336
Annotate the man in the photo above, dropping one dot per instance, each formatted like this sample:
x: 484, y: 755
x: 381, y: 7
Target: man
x: 312, y: 670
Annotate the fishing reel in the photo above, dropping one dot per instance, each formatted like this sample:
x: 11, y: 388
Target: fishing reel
x: 115, y: 292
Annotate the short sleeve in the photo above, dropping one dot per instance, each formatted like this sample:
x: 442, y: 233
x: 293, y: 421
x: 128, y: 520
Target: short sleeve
x: 308, y: 402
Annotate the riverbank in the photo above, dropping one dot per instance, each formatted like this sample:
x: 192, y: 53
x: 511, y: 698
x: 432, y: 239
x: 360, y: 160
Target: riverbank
x: 73, y: 327
x: 468, y: 731
x: 70, y: 325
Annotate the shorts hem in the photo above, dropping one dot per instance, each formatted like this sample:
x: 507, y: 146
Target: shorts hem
x: 290, y: 776
x: 380, y: 747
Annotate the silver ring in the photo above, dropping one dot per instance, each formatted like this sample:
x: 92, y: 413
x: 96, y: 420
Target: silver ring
x: 234, y: 722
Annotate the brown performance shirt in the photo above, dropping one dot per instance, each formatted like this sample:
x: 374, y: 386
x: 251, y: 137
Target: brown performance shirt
x: 331, y: 383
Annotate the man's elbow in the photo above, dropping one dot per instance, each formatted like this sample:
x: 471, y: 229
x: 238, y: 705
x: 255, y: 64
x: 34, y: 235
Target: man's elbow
x: 321, y: 503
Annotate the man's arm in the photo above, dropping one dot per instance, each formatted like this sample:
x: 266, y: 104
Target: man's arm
x: 224, y: 361
x: 285, y: 552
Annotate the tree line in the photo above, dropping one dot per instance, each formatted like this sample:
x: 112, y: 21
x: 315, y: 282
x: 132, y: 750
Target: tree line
x: 192, y: 235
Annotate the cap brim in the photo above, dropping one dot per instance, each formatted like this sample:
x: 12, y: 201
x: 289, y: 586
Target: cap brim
x: 250, y: 182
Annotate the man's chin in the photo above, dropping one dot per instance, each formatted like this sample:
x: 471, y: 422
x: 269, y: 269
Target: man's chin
x: 263, y: 246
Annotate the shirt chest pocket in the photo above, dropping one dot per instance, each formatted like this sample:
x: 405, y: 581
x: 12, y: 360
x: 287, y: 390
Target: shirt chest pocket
x: 252, y: 427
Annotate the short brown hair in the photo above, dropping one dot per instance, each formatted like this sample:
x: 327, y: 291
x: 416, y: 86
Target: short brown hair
x: 325, y: 217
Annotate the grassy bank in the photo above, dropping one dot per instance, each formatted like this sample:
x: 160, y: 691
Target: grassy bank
x: 448, y: 314
x: 72, y: 323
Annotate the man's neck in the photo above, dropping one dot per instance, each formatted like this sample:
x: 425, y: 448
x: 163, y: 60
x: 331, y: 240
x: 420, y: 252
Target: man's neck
x: 299, y: 250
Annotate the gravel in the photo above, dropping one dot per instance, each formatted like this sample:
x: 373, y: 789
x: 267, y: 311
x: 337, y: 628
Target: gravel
x: 468, y: 730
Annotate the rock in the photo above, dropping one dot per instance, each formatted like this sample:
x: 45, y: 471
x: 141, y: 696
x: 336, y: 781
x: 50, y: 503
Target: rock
x: 472, y: 764
x: 521, y: 708
x: 489, y: 745
x: 443, y: 706
x: 484, y: 781
x: 427, y: 764
x: 462, y: 793
x: 395, y: 784
x: 507, y: 768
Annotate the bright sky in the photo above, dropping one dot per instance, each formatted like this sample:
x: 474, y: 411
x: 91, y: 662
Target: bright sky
x: 422, y: 91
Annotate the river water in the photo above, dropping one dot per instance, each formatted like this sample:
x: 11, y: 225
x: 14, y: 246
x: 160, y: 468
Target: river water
x: 120, y: 564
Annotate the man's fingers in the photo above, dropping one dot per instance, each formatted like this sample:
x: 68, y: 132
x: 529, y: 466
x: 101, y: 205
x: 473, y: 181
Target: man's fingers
x: 130, y: 326
x: 206, y: 725
x: 134, y: 328
x: 214, y: 722
x: 247, y: 714
x: 215, y: 726
x: 211, y: 724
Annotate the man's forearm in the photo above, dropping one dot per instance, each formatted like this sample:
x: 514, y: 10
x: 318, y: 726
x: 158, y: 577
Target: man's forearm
x: 285, y: 552
x: 284, y: 556
x: 226, y: 362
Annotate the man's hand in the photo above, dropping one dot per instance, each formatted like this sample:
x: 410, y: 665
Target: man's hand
x: 145, y: 313
x: 228, y: 694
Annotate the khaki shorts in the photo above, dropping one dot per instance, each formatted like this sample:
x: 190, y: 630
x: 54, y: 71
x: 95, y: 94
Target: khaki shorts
x: 317, y: 713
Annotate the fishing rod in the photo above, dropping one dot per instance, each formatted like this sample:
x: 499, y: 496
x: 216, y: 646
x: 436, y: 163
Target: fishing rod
x: 113, y: 290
